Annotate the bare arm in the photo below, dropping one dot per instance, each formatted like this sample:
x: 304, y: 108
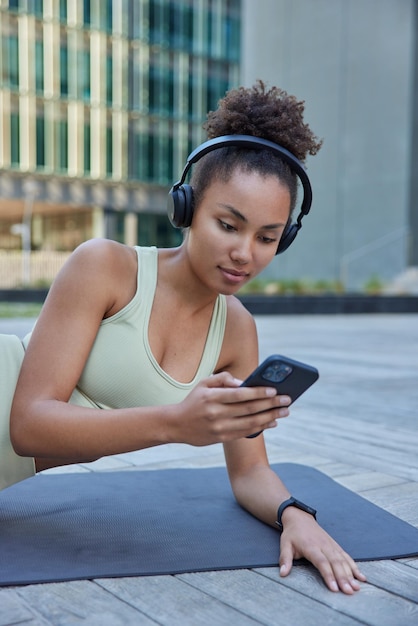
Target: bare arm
x: 258, y: 489
x: 98, y: 280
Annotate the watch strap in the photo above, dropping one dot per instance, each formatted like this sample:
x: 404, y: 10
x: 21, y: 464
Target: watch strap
x: 293, y: 502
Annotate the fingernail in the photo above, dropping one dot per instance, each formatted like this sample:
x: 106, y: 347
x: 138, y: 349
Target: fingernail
x: 285, y: 400
x: 270, y: 391
x: 334, y: 586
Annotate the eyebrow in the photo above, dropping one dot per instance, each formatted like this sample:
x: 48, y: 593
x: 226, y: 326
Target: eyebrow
x: 242, y: 217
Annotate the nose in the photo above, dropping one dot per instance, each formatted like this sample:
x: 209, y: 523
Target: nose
x: 242, y: 251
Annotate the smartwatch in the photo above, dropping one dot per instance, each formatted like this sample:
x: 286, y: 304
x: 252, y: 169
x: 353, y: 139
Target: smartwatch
x: 293, y: 502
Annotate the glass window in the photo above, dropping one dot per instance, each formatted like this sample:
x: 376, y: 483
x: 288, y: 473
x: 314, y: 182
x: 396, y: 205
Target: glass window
x: 109, y: 150
x: 156, y: 230
x: 179, y: 24
x: 14, y: 5
x: 154, y: 90
x: 217, y: 82
x: 155, y: 22
x: 136, y: 150
x: 139, y: 70
x: 14, y: 139
x: 63, y: 10
x: 85, y: 74
x: 64, y: 69
x: 151, y: 169
x: 108, y: 16
x: 13, y: 59
x: 114, y: 225
x: 109, y: 79
x: 187, y: 27
x: 232, y: 37
x: 39, y: 66
x: 38, y: 7
x: 62, y: 144
x: 40, y: 140
x: 86, y: 12
x: 87, y: 149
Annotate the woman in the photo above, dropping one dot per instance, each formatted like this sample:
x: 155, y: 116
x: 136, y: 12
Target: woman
x: 157, y: 338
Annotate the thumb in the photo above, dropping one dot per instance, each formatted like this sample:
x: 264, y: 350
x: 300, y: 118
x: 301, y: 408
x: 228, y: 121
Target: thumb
x: 286, y: 559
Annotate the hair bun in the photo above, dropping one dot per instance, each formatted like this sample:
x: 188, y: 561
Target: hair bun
x: 272, y: 114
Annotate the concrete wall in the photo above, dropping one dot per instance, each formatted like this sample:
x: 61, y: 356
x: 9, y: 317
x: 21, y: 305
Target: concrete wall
x: 352, y: 61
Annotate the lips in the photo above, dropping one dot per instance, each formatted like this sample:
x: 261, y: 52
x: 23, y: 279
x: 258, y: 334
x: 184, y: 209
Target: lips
x: 234, y: 276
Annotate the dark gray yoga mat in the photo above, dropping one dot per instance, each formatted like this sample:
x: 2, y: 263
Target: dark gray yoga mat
x: 83, y: 526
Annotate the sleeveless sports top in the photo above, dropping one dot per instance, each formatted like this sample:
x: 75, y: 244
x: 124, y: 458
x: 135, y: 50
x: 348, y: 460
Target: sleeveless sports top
x: 121, y: 370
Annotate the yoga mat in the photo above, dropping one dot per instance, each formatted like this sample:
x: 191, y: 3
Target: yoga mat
x: 133, y: 523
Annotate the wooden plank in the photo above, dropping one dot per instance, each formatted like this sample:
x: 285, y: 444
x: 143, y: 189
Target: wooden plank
x: 78, y: 601
x: 371, y: 605
x: 393, y: 576
x: 335, y: 469
x: 399, y: 499
x: 361, y: 482
x: 14, y: 611
x: 350, y: 447
x: 169, y: 600
x: 267, y: 601
x: 357, y: 437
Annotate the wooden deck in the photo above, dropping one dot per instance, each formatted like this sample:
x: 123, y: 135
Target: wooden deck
x: 358, y: 424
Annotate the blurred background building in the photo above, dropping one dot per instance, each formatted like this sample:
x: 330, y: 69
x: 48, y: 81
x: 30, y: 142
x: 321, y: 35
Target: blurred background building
x: 102, y: 100
x: 100, y: 103
x: 355, y: 63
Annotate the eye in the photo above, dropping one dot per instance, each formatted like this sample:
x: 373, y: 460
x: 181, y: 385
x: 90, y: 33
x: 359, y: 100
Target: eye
x: 226, y: 226
x: 265, y: 239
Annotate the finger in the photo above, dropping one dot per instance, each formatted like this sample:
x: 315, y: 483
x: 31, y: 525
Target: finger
x: 337, y: 572
x: 286, y: 559
x: 223, y: 379
x: 347, y: 574
x: 247, y: 394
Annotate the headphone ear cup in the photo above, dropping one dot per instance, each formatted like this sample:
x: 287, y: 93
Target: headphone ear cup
x: 180, y: 206
x: 288, y: 237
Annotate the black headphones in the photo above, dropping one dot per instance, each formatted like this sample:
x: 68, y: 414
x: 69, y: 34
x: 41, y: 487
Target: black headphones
x: 180, y: 198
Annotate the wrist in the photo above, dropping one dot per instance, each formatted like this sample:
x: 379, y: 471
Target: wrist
x: 171, y: 429
x: 292, y: 508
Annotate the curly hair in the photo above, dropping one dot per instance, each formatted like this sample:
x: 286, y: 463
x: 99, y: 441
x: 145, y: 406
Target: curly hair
x: 272, y: 114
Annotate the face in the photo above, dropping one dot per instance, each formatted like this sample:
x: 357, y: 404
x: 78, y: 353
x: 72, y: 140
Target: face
x: 236, y: 230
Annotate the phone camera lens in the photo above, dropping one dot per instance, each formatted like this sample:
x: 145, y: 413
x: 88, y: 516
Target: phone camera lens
x: 277, y: 372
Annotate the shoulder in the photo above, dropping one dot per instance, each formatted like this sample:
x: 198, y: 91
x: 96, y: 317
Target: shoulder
x: 104, y: 257
x: 100, y: 269
x: 102, y: 251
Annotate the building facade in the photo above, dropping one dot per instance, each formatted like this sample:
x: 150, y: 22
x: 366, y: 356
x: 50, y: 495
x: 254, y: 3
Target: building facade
x: 100, y: 103
x: 355, y: 64
x: 102, y: 100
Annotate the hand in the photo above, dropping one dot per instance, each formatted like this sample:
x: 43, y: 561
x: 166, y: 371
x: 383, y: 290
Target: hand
x: 303, y: 537
x: 219, y: 410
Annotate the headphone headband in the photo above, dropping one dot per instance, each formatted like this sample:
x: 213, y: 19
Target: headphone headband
x: 180, y: 199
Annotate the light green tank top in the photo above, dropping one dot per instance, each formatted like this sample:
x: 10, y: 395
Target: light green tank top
x: 121, y: 370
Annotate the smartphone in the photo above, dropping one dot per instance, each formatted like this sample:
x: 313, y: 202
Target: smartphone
x: 289, y: 377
